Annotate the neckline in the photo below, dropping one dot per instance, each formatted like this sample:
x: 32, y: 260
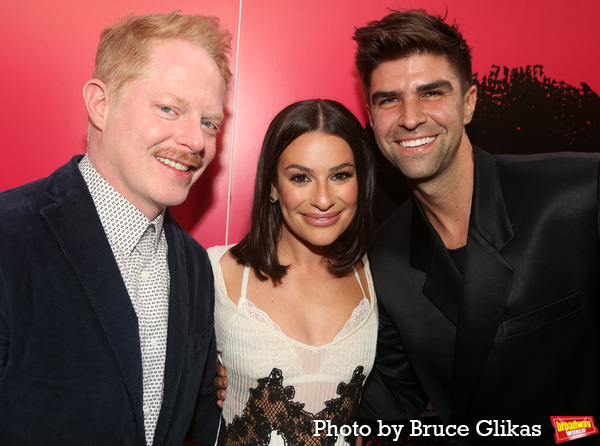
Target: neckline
x: 370, y: 302
x: 274, y: 328
x: 245, y: 304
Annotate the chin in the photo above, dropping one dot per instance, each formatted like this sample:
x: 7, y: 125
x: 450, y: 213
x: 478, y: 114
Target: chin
x: 174, y: 199
x: 323, y: 242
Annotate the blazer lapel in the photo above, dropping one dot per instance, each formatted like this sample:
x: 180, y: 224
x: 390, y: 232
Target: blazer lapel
x: 486, y: 283
x: 428, y: 254
x: 77, y: 228
x: 177, y: 339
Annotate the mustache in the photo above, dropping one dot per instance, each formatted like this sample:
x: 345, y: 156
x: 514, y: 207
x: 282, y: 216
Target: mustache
x: 192, y: 159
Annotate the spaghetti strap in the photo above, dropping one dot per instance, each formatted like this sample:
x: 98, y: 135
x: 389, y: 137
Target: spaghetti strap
x: 359, y: 283
x: 245, y: 282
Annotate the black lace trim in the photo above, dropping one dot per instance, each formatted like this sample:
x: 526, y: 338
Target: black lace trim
x: 270, y: 408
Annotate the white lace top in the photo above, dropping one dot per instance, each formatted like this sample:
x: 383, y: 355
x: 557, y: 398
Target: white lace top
x: 279, y: 387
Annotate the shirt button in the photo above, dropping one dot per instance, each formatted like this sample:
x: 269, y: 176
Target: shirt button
x: 145, y: 275
x: 153, y: 342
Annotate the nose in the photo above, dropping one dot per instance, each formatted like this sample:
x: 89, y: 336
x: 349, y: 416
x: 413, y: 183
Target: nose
x: 322, y: 197
x: 411, y: 115
x: 191, y: 134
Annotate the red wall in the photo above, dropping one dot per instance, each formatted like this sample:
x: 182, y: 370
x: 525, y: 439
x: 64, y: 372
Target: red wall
x: 283, y: 51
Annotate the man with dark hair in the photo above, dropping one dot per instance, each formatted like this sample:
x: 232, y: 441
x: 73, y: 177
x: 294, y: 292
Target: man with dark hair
x: 488, y: 277
x: 106, y: 304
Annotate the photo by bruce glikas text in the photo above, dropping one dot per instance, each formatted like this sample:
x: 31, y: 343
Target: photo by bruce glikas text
x: 415, y: 428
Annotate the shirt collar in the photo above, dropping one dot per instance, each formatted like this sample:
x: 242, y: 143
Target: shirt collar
x: 123, y: 223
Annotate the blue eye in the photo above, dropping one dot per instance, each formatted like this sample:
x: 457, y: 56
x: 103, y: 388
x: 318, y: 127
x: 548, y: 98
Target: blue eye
x: 210, y: 127
x: 166, y: 109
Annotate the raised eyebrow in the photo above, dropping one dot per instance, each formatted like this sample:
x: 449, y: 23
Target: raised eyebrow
x: 217, y: 117
x: 309, y: 170
x: 177, y: 100
x: 340, y: 167
x: 442, y: 83
x: 300, y: 168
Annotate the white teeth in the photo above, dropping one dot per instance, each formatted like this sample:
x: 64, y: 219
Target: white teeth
x: 173, y: 164
x: 417, y: 142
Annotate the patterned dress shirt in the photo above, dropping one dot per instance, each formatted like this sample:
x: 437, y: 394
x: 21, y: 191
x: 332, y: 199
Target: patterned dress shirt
x: 140, y: 249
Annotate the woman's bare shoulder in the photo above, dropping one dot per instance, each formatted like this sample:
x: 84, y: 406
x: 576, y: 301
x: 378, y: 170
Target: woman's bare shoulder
x: 232, y: 274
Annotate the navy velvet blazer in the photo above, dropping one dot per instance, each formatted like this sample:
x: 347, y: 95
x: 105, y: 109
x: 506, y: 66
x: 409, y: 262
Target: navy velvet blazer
x: 517, y: 335
x: 70, y: 360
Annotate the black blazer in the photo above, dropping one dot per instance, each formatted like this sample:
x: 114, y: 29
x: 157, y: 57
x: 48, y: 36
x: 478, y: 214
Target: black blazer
x: 516, y: 336
x: 70, y: 359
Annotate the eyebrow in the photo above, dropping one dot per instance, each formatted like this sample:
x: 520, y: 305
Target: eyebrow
x: 442, y: 83
x: 177, y: 99
x: 219, y: 117
x: 308, y: 170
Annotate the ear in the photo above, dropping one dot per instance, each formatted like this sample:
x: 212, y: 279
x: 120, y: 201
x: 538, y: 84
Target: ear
x: 274, y: 192
x: 96, y: 101
x: 470, y: 103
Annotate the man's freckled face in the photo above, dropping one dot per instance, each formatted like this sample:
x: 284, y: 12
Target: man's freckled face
x: 161, y: 135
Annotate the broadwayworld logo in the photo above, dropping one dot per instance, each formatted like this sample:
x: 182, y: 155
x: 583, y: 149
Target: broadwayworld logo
x: 571, y: 428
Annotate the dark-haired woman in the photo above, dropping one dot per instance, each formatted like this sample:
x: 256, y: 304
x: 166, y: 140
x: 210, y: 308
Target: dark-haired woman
x: 296, y: 316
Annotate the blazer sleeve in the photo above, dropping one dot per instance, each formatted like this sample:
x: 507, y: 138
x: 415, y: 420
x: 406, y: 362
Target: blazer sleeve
x: 392, y: 391
x: 4, y: 329
x: 203, y: 427
x: 598, y: 202
x: 207, y: 413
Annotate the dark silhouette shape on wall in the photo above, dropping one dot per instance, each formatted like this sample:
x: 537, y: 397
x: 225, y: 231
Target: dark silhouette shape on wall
x: 521, y: 110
